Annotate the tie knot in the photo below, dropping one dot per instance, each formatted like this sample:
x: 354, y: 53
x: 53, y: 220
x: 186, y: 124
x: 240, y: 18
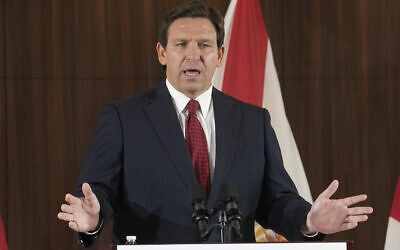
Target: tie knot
x: 193, y: 106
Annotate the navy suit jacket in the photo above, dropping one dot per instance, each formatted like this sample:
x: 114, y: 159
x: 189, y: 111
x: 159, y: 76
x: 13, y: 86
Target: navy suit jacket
x: 140, y: 169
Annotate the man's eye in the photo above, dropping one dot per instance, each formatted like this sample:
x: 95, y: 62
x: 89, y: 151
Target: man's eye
x: 180, y: 44
x: 204, y: 45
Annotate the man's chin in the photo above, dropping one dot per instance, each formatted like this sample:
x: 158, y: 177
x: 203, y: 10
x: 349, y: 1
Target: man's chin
x: 192, y: 84
x: 194, y: 92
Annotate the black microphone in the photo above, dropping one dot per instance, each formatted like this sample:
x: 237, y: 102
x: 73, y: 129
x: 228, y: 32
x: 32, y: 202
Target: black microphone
x: 200, y: 213
x: 232, y: 208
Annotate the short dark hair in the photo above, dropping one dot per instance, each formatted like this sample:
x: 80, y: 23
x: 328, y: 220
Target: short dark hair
x: 193, y: 9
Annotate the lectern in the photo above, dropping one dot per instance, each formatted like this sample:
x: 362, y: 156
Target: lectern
x: 239, y: 246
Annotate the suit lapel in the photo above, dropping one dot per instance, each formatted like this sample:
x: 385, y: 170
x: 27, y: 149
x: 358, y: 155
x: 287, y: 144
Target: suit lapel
x: 163, y: 117
x: 227, y: 129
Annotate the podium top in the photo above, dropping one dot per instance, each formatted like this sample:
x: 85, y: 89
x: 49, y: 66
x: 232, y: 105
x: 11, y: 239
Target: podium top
x: 244, y: 246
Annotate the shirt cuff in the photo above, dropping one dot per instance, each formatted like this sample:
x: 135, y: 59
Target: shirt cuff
x: 96, y: 231
x: 309, y: 235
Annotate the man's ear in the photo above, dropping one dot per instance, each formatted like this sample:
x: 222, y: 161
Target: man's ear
x: 220, y: 55
x: 162, y: 57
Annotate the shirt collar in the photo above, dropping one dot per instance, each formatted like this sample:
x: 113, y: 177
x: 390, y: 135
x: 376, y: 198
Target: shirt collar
x: 180, y: 100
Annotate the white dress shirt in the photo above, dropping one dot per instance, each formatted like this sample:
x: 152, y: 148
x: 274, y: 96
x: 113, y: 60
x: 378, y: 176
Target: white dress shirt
x: 205, y: 116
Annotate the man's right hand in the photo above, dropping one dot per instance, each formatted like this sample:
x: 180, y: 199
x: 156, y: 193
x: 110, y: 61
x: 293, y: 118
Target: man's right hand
x: 82, y: 214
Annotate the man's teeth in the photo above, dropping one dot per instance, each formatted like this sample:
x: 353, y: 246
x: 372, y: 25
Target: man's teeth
x: 192, y: 72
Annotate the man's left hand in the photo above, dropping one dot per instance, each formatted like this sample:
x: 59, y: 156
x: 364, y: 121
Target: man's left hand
x: 330, y: 216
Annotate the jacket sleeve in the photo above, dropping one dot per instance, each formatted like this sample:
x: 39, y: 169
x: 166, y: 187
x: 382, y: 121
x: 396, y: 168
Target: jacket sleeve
x: 102, y: 166
x: 280, y: 206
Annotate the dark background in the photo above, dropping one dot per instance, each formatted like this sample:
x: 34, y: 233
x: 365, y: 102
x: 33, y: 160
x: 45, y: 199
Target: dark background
x: 338, y: 64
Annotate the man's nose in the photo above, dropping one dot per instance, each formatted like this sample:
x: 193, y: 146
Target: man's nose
x: 193, y: 52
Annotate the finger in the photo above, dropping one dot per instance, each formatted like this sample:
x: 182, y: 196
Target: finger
x: 359, y: 210
x: 72, y: 199
x: 67, y: 208
x: 330, y: 190
x: 356, y: 218
x: 348, y: 201
x: 73, y: 225
x: 65, y: 216
x: 87, y: 192
x: 348, y: 226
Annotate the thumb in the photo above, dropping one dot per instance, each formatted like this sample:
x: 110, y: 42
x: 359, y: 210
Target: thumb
x: 87, y: 192
x: 330, y: 190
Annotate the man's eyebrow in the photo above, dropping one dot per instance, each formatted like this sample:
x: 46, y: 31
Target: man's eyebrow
x: 185, y: 40
x: 206, y: 40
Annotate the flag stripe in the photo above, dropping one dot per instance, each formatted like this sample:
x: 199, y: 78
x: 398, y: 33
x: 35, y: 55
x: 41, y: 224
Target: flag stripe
x: 248, y: 45
x: 273, y: 101
x: 392, y: 241
x: 218, y: 77
x: 395, y: 212
x: 3, y: 242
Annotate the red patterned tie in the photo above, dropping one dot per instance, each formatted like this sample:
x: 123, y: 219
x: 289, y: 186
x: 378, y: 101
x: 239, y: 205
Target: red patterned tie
x: 197, y: 144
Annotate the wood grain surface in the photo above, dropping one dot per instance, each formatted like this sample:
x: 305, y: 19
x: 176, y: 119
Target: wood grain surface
x: 60, y: 61
x: 3, y: 161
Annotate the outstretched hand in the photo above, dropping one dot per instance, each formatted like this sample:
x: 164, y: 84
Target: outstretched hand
x: 331, y: 216
x: 82, y: 214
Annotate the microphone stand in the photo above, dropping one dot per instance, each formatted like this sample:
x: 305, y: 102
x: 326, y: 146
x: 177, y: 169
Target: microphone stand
x: 222, y: 223
x: 229, y: 215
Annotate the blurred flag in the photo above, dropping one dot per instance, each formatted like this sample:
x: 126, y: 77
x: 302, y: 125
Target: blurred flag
x: 3, y: 242
x: 393, y: 231
x: 248, y: 73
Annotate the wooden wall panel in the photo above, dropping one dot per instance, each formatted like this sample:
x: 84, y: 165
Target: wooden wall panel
x: 3, y: 155
x: 273, y: 19
x: 383, y: 38
x: 336, y: 39
x: 81, y: 39
x: 84, y: 38
x: 2, y: 40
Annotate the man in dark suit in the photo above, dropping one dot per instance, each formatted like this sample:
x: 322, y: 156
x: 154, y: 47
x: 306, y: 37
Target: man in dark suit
x: 143, y: 160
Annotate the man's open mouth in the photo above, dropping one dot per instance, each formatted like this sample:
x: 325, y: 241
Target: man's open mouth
x: 191, y: 72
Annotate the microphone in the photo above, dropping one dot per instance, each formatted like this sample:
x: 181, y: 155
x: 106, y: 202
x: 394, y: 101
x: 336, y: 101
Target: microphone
x: 200, y: 213
x: 232, y: 208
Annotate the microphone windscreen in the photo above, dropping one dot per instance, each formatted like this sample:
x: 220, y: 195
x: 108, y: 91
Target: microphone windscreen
x: 229, y: 191
x: 197, y: 193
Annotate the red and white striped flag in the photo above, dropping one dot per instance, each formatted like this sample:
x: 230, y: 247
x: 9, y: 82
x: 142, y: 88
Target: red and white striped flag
x: 393, y: 231
x: 3, y: 242
x: 248, y: 73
